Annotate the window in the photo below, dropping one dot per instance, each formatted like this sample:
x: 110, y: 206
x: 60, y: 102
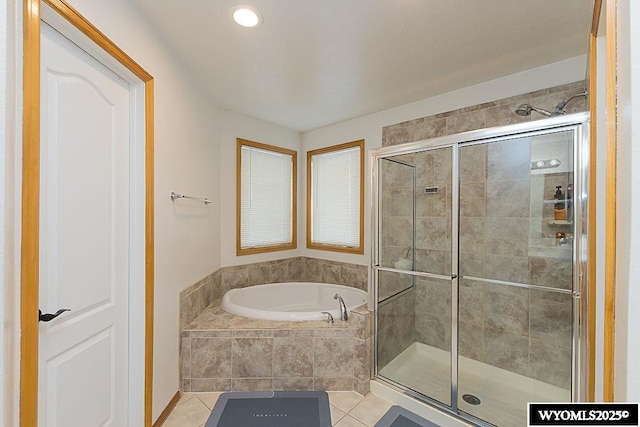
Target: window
x: 266, y: 198
x: 335, y: 198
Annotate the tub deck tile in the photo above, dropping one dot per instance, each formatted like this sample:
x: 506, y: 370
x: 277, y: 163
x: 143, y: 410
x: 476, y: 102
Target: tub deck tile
x: 222, y: 351
x: 215, y: 318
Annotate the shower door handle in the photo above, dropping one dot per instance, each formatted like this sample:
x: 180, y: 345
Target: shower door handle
x: 454, y: 276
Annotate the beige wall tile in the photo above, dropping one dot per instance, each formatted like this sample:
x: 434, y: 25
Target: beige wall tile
x: 389, y: 343
x: 504, y: 115
x: 296, y: 270
x: 509, y: 198
x: 552, y: 272
x: 293, y: 384
x: 507, y: 312
x: 551, y: 363
x: 431, y: 261
x: 473, y: 163
x: 511, y: 269
x: 473, y: 199
x: 507, y: 350
x: 210, y: 358
x: 279, y: 272
x: 332, y: 384
x: 471, y: 308
x: 330, y: 273
x: 551, y: 321
x: 472, y: 233
x: 507, y: 236
x: 471, y: 264
x: 252, y: 357
x: 465, y: 122
x: 471, y: 341
x: 258, y: 275
x: 508, y: 160
x: 433, y: 233
x: 209, y: 384
x: 362, y: 387
x: 185, y: 358
x: 333, y: 357
x: 233, y: 278
x: 293, y: 355
x: 251, y: 384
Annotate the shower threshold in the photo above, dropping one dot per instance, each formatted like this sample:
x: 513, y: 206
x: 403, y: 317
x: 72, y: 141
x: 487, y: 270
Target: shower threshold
x: 503, y: 394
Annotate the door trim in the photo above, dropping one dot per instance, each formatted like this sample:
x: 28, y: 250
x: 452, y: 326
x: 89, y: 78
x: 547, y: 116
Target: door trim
x: 607, y: 29
x: 610, y: 220
x: 29, y: 261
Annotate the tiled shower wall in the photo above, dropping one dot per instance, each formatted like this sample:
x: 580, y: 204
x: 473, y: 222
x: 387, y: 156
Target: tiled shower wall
x: 489, y: 114
x: 504, y: 235
x: 199, y: 296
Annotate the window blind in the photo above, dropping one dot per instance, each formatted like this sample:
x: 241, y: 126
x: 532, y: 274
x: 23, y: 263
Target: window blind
x: 335, y: 191
x: 266, y: 202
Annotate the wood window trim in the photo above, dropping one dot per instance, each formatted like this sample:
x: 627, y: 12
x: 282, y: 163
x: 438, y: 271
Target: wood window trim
x: 335, y: 248
x: 294, y: 198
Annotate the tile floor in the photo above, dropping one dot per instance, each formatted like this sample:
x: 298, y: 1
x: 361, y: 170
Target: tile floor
x: 348, y: 409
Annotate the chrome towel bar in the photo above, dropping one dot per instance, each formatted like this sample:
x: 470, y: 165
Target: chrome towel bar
x: 175, y: 196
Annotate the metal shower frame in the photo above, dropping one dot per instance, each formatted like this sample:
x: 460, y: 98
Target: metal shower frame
x: 579, y: 124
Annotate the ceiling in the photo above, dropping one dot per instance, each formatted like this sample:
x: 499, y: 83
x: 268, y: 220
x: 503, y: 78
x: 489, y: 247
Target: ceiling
x: 316, y: 62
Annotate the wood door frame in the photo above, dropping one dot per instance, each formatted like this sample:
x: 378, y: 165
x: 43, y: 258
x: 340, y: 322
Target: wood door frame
x: 609, y: 31
x: 611, y: 208
x: 29, y: 261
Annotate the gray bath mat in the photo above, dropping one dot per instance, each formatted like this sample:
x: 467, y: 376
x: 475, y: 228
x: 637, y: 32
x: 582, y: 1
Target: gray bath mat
x: 271, y: 409
x: 400, y: 417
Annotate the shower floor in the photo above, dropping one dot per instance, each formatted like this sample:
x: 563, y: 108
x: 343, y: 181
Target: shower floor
x: 504, y: 394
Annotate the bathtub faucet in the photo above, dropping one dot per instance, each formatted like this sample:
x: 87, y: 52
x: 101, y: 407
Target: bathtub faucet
x: 344, y: 316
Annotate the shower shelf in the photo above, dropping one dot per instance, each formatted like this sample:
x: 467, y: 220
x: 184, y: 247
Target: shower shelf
x: 558, y: 222
x: 556, y: 201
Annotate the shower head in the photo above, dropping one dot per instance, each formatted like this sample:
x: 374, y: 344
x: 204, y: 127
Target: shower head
x: 560, y: 107
x: 525, y: 110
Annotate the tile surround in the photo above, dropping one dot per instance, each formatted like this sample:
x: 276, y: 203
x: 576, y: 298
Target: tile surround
x: 505, y: 235
x: 489, y: 114
x: 224, y: 352
x: 195, y: 298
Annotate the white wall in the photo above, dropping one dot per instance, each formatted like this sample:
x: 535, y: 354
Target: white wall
x: 9, y: 233
x: 187, y: 235
x: 235, y: 125
x: 627, y: 338
x: 601, y: 186
x: 370, y: 127
x: 3, y: 138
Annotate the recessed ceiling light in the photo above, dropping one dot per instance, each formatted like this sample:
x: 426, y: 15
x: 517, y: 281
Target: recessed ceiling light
x: 246, y: 16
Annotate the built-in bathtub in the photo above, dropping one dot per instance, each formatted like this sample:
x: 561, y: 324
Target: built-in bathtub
x: 294, y: 301
x: 221, y: 351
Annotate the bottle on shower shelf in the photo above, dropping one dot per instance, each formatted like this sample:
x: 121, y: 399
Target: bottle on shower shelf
x: 559, y: 208
x: 569, y: 202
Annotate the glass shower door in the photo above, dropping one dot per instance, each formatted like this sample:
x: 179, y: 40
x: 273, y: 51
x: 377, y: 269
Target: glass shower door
x: 516, y: 256
x: 414, y: 264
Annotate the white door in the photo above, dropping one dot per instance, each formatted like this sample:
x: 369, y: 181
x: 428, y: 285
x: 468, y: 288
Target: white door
x: 84, y: 238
